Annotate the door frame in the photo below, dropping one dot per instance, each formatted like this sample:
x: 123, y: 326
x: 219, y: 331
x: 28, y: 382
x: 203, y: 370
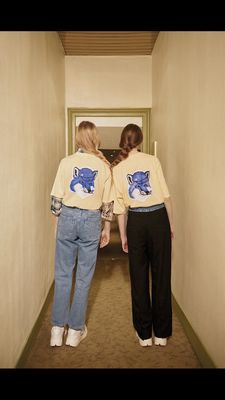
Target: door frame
x: 144, y: 113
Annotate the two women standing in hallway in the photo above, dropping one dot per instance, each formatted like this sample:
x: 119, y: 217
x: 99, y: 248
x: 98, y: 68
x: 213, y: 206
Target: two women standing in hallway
x: 82, y: 187
x: 80, y: 199
x: 140, y: 187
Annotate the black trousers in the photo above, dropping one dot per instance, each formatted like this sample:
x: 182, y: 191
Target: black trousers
x: 149, y: 246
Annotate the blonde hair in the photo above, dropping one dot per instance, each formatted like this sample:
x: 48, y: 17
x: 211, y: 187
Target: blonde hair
x: 88, y: 139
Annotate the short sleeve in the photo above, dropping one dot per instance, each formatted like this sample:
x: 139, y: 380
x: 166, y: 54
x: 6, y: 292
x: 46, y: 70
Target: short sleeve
x: 107, y: 193
x: 58, y: 186
x: 161, y: 179
x: 119, y: 205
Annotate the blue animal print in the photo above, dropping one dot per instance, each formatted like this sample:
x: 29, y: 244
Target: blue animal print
x: 139, y: 185
x: 83, y: 181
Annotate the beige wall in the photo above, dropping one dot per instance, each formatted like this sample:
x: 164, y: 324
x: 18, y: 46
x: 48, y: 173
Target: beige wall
x: 32, y: 115
x: 188, y: 121
x: 108, y: 82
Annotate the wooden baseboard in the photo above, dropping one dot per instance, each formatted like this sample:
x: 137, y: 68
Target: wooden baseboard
x: 199, y: 349
x: 35, y: 330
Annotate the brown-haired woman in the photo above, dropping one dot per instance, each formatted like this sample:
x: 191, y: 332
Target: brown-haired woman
x: 140, y: 187
x: 80, y: 198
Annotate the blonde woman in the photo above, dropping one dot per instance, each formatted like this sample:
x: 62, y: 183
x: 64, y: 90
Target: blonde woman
x: 80, y: 199
x: 141, y: 189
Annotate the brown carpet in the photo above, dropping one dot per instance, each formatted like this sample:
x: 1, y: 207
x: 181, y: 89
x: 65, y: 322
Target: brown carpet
x: 111, y: 341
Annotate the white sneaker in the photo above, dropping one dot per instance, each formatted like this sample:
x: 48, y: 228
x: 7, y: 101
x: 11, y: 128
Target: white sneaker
x: 57, y: 336
x: 74, y: 337
x: 144, y: 342
x: 160, y: 341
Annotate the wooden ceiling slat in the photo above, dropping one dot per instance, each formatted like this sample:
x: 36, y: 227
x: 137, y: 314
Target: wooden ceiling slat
x: 114, y: 34
x: 79, y: 42
x: 108, y: 42
x: 111, y: 38
x: 107, y: 53
x: 107, y: 37
x: 86, y: 49
x: 107, y: 50
x: 143, y: 44
x: 105, y: 33
x: 104, y: 41
x: 113, y: 48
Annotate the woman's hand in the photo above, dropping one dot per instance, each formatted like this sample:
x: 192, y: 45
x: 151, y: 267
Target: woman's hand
x: 124, y: 244
x: 105, y: 237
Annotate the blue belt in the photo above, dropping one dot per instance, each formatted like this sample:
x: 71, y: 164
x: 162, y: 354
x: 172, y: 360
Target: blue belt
x: 147, y: 209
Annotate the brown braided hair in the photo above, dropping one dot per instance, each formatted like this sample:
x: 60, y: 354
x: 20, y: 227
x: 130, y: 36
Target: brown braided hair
x: 131, y: 137
x: 88, y: 139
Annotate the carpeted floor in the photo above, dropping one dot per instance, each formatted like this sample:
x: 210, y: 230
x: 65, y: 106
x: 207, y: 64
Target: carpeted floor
x: 111, y: 341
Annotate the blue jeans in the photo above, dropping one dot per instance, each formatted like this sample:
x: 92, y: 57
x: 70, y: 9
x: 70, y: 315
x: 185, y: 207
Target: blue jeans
x: 78, y: 236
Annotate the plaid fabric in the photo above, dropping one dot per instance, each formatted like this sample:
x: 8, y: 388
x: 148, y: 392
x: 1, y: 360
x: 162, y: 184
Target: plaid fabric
x: 107, y: 211
x: 56, y: 205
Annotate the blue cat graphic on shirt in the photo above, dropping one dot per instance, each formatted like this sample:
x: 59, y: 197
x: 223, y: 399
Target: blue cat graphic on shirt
x: 83, y: 182
x: 139, y: 187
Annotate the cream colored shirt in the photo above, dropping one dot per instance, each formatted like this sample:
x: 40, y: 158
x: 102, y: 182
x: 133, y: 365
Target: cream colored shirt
x: 83, y: 180
x: 138, y: 182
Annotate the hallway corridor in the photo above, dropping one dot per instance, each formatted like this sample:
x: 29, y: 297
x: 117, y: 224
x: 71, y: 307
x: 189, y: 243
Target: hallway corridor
x: 111, y: 341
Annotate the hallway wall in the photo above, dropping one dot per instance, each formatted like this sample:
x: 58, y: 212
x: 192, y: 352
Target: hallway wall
x: 32, y: 120
x: 108, y: 81
x: 188, y: 121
